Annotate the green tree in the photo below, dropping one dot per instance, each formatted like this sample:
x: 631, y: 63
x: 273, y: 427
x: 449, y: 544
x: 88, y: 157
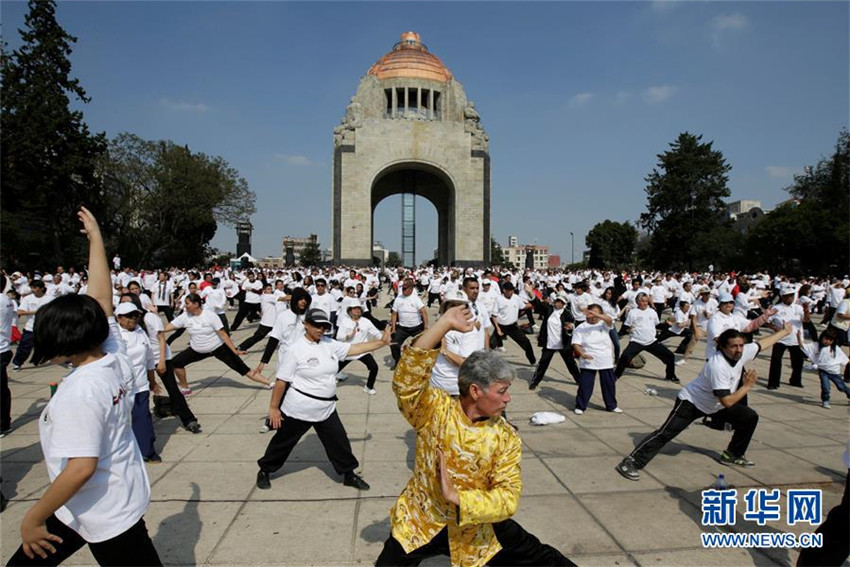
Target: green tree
x: 311, y: 255
x: 611, y: 244
x: 393, y: 260
x: 497, y: 257
x: 164, y: 202
x: 47, y: 165
x: 685, y: 203
x: 809, y: 234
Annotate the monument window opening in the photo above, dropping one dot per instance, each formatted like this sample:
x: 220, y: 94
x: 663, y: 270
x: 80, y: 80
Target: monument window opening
x: 413, y: 103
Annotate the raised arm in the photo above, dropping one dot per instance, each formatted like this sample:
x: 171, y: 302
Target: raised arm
x: 100, y: 284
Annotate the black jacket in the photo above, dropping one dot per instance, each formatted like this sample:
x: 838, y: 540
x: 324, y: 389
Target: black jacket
x: 566, y: 336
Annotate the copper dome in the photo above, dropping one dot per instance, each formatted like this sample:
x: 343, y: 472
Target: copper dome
x: 410, y: 59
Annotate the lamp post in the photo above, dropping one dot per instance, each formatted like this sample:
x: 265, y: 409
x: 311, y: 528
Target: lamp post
x: 573, y: 247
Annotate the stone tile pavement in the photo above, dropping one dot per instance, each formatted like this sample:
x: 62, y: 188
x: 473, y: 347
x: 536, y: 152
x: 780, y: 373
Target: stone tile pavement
x: 205, y: 509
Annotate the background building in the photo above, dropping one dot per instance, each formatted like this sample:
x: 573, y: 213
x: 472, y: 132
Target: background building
x: 293, y: 246
x: 517, y: 255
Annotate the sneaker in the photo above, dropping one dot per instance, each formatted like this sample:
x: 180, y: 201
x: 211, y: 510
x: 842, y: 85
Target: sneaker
x: 265, y: 427
x: 341, y: 377
x: 628, y: 469
x: 673, y: 379
x: 578, y: 411
x: 370, y: 391
x: 616, y: 410
x: 263, y: 482
x: 16, y: 368
x: 186, y: 392
x: 728, y: 459
x: 825, y: 405
x: 355, y: 480
x: 501, y: 349
x: 194, y: 427
x: 681, y: 362
x: 153, y: 459
x: 5, y: 432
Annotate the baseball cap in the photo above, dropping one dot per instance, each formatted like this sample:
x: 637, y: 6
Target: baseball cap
x: 725, y: 297
x: 126, y: 308
x: 786, y: 289
x: 318, y: 318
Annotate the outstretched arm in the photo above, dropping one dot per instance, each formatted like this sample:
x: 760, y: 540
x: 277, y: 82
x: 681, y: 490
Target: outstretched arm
x: 100, y: 284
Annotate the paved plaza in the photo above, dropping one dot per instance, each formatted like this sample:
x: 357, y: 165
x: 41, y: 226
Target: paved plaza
x: 206, y: 510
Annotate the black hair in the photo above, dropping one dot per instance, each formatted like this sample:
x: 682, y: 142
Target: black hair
x: 216, y: 281
x: 297, y: 295
x: 194, y: 298
x: 727, y: 336
x: 37, y: 283
x: 829, y: 333
x: 468, y: 280
x: 508, y: 286
x: 69, y: 325
x: 613, y: 300
x: 318, y: 281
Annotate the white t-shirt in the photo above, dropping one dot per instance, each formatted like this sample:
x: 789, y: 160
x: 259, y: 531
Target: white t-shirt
x: 788, y: 314
x: 141, y: 357
x: 366, y: 331
x: 90, y: 416
x: 326, y: 302
x: 252, y: 290
x: 596, y: 342
x: 717, y: 374
x: 33, y: 303
x: 554, y: 340
x: 311, y: 367
x: 704, y: 311
x: 577, y: 302
x: 7, y: 312
x: 203, y: 330
x: 825, y: 358
x: 642, y: 323
x: 407, y: 309
x: 214, y: 299
x: 718, y: 323
x: 444, y: 373
x: 268, y: 309
x: 154, y: 326
x: 507, y: 310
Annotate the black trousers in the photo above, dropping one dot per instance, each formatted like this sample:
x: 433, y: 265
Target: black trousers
x: 517, y: 335
x: 331, y: 433
x: 133, y: 547
x: 432, y: 297
x: 25, y: 347
x: 166, y: 310
x: 659, y: 308
x: 836, y: 544
x: 5, y: 392
x: 686, y: 335
x: 775, y: 372
x: 656, y: 349
x: 222, y: 353
x: 249, y: 310
x: 178, y: 401
x: 519, y: 547
x: 258, y: 335
x: 546, y: 358
x: 370, y: 363
x: 402, y: 334
x: 380, y: 325
x: 743, y: 419
x: 175, y: 335
x: 223, y: 318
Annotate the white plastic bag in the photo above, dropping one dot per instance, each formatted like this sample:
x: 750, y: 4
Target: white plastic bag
x: 545, y: 418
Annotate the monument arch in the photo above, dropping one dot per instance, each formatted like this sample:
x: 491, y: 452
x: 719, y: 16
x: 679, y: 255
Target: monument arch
x: 410, y: 130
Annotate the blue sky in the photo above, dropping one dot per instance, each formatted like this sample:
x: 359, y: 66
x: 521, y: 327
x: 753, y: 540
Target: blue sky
x: 578, y: 98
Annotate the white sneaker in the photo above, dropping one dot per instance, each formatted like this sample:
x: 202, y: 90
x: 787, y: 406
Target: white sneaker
x: 16, y: 368
x: 341, y: 377
x: 616, y: 410
x: 265, y: 428
x: 501, y: 349
x: 370, y: 391
x: 826, y: 405
x: 578, y: 411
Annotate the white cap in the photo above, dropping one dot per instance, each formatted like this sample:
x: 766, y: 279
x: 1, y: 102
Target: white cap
x: 456, y: 295
x: 725, y: 297
x: 787, y: 289
x: 126, y: 308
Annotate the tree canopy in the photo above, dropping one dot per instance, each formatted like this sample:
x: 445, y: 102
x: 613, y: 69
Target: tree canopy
x: 164, y: 202
x: 611, y: 244
x: 48, y: 160
x: 685, y: 204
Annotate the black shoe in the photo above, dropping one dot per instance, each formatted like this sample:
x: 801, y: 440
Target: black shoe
x: 795, y: 385
x: 153, y: 459
x: 535, y: 382
x: 193, y: 426
x: 263, y: 482
x: 673, y: 379
x: 355, y: 480
x: 628, y: 469
x: 532, y: 361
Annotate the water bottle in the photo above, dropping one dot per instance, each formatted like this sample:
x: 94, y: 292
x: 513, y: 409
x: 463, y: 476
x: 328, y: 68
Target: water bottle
x: 720, y: 483
x: 651, y: 392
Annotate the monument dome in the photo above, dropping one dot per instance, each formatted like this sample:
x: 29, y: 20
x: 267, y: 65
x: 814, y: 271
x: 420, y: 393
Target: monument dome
x: 410, y: 59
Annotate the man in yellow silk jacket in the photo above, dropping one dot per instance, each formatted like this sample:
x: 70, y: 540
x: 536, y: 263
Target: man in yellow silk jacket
x: 466, y: 483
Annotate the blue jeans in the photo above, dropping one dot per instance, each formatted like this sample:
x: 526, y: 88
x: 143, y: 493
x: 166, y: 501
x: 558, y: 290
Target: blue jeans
x: 143, y: 424
x: 825, y: 378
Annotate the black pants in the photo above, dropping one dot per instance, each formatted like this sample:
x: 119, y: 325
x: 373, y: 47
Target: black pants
x: 25, y: 347
x: 249, y: 310
x: 514, y: 332
x: 331, y: 433
x: 175, y: 335
x: 179, y: 406
x: 380, y: 325
x: 401, y: 334
x: 529, y: 315
x: 775, y: 372
x: 518, y: 548
x: 5, y: 392
x: 546, y: 358
x: 258, y: 335
x: 370, y: 363
x: 222, y: 353
x: 659, y: 308
x: 133, y: 547
x: 166, y: 310
x: 223, y: 318
x: 686, y: 335
x: 432, y: 297
x: 743, y: 419
x: 836, y: 544
x: 656, y: 349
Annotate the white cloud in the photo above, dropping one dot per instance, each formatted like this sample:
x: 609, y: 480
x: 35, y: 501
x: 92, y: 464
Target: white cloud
x: 659, y: 93
x: 181, y: 106
x: 295, y: 160
x: 580, y: 99
x: 779, y: 171
x: 725, y: 24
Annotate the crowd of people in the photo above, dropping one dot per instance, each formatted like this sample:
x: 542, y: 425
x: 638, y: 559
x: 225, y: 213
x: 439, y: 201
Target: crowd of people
x: 450, y: 375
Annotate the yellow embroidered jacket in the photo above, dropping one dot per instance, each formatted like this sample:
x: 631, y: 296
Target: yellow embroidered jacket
x: 482, y: 457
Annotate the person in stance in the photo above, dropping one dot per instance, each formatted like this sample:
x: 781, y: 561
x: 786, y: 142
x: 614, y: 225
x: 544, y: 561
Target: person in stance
x: 466, y: 481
